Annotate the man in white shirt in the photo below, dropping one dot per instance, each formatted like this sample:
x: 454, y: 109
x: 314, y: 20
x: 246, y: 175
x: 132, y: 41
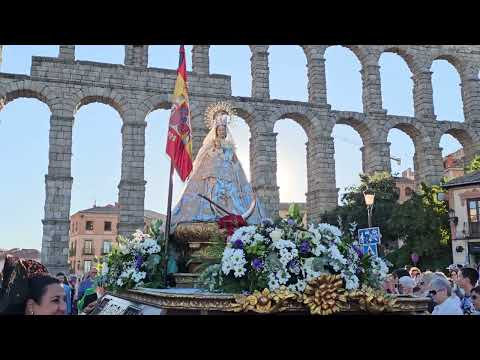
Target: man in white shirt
x: 441, y: 292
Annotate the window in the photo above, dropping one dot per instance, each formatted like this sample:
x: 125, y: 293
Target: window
x: 73, y: 249
x: 473, y: 206
x: 408, y: 191
x: 87, y: 265
x: 107, y: 226
x: 473, y: 216
x: 87, y: 249
x: 89, y: 225
x: 107, y: 246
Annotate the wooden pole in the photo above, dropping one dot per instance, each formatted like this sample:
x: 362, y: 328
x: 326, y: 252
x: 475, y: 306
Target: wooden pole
x: 169, y: 219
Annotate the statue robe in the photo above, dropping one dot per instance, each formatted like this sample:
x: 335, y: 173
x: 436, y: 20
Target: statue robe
x: 219, y: 176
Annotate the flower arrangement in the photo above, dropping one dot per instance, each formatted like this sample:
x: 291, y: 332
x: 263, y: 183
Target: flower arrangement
x: 286, y: 255
x: 135, y: 261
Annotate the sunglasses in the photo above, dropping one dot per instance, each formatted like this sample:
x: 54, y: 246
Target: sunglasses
x: 432, y: 292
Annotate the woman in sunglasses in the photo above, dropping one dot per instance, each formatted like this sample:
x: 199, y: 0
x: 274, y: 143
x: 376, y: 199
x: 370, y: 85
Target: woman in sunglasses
x: 441, y: 293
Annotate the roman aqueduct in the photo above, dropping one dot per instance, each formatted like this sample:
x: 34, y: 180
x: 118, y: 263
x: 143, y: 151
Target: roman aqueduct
x: 135, y: 90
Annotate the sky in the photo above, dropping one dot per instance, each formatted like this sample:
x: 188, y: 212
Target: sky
x: 96, y: 159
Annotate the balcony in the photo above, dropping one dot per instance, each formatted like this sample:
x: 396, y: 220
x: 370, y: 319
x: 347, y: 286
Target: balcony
x: 470, y: 231
x: 474, y: 230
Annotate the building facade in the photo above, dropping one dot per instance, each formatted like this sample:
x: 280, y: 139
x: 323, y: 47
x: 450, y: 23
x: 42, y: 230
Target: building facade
x: 464, y: 205
x: 405, y: 185
x: 453, y: 164
x: 93, y: 232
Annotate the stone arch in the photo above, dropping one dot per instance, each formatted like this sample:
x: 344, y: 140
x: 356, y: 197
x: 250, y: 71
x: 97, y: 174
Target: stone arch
x: 246, y: 112
x: 357, y: 121
x: 463, y: 134
x: 405, y: 54
x: 152, y: 103
x: 455, y: 61
x: 304, y: 117
x: 27, y: 89
x: 427, y: 158
x: 102, y: 95
x: 357, y: 50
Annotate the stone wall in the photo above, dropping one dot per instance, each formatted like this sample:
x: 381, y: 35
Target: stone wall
x: 135, y: 90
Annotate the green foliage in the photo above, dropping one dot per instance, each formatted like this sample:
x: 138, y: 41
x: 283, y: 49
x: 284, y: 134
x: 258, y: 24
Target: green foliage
x: 474, y: 165
x: 294, y: 213
x: 117, y: 262
x: 421, y: 221
x: 353, y: 209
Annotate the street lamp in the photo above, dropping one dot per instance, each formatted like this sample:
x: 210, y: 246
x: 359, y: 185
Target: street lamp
x: 369, y: 200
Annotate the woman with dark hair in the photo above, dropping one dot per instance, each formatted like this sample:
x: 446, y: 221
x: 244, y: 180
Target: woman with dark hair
x: 47, y: 296
x: 28, y: 289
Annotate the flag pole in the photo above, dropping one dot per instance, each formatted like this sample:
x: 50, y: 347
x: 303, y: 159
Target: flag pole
x: 168, y: 220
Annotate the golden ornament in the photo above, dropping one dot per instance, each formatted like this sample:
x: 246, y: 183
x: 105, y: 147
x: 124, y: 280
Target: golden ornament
x: 219, y: 107
x: 265, y: 301
x: 259, y: 302
x: 374, y: 301
x: 325, y: 295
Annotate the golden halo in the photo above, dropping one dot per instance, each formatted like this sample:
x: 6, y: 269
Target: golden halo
x: 214, y: 109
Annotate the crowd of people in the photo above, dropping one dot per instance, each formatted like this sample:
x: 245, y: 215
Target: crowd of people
x: 27, y: 288
x: 455, y: 294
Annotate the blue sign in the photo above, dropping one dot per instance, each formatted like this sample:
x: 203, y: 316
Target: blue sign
x: 369, y: 238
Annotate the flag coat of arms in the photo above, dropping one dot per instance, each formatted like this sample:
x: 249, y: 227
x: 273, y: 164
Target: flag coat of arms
x: 179, y: 140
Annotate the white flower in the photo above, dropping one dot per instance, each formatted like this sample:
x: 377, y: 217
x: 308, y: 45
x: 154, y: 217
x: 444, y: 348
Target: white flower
x: 119, y: 281
x: 335, y: 231
x: 233, y: 259
x: 276, y: 234
x: 244, y: 234
x: 258, y: 238
x: 351, y: 282
x: 239, y: 272
x: 335, y: 254
x: 273, y: 283
x: 283, y: 277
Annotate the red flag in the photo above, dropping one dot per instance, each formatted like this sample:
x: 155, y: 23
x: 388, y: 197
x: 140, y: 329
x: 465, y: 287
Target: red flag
x: 179, y: 141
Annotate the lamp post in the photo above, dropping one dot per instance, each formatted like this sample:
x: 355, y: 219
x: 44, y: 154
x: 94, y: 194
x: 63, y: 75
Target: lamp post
x: 369, y: 200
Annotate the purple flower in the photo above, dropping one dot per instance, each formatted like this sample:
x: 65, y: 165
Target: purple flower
x: 238, y: 244
x: 294, y: 266
x: 305, y: 247
x: 291, y: 222
x: 267, y: 222
x: 358, y: 251
x: 257, y: 264
x: 138, y: 262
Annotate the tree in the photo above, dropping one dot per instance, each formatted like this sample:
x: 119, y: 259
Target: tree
x: 422, y: 222
x: 353, y: 207
x: 474, y: 165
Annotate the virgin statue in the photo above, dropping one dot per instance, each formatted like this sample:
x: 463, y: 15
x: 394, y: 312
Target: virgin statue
x: 217, y: 175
